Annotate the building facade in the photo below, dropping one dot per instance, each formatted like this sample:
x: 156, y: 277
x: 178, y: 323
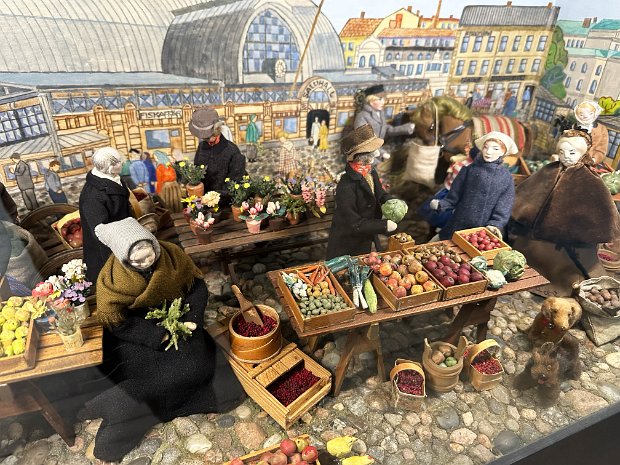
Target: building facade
x: 500, y: 52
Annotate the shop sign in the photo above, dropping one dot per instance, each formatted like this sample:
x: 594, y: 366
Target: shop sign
x: 160, y: 114
x: 508, y: 78
x: 318, y: 84
x: 471, y: 79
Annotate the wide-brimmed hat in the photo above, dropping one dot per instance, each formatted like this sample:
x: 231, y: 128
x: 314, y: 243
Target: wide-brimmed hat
x: 203, y: 123
x: 511, y: 147
x: 374, y: 90
x: 360, y: 140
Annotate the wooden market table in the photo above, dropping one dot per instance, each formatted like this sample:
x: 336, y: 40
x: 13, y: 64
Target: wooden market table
x: 229, y: 234
x: 363, y: 330
x: 24, y: 395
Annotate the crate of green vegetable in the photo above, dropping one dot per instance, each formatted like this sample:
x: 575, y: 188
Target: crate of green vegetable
x: 315, y: 297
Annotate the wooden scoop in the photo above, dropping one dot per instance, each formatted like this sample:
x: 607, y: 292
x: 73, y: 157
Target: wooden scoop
x: 248, y: 310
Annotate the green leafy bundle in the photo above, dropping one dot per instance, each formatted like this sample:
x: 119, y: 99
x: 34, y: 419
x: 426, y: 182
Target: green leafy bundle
x: 170, y: 320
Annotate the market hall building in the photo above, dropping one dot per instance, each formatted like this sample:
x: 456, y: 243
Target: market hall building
x: 130, y: 76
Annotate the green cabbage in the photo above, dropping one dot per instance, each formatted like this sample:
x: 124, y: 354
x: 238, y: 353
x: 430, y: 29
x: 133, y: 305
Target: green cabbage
x: 511, y: 263
x: 480, y: 263
x: 394, y: 210
x: 496, y: 279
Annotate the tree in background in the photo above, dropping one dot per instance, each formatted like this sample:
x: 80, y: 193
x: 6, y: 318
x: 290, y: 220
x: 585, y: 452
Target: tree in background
x: 557, y: 59
x: 610, y: 106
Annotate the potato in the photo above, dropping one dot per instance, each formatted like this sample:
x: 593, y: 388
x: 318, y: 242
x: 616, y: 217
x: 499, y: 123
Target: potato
x: 437, y: 357
x: 445, y: 349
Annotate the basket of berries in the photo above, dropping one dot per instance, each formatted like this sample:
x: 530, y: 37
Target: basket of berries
x: 481, y: 365
x: 408, y: 384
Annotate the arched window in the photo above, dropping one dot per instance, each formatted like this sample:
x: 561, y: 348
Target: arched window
x: 428, y: 56
x: 584, y: 67
x: 388, y: 57
x: 567, y: 82
x: 579, y: 84
x: 593, y: 85
x: 410, y: 57
x: 573, y: 65
x: 268, y: 37
x: 372, y: 61
x: 362, y: 63
x: 446, y: 56
x: 599, y: 70
x: 397, y: 56
x: 420, y: 56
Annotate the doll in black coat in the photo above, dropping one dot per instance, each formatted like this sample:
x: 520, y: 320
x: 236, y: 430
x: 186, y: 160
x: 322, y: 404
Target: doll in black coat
x: 152, y: 384
x: 359, y: 196
x: 104, y: 199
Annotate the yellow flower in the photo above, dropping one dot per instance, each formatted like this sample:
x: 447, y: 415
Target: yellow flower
x: 266, y: 178
x: 237, y: 186
x: 187, y: 158
x: 246, y: 177
x: 182, y: 164
x: 227, y: 179
x: 246, y: 185
x: 202, y: 166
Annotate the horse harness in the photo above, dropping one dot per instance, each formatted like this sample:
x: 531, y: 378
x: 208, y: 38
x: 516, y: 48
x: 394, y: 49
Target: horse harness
x: 445, y: 139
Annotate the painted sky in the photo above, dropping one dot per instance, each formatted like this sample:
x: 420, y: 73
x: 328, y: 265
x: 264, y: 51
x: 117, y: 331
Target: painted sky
x: 338, y: 11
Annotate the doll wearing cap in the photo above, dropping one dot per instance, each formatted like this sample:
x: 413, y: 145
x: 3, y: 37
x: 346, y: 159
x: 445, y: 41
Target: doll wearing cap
x: 151, y: 384
x: 586, y: 114
x: 359, y: 196
x: 483, y: 193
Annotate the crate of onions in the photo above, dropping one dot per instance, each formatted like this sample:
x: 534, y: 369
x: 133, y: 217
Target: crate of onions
x: 408, y: 384
x: 481, y: 365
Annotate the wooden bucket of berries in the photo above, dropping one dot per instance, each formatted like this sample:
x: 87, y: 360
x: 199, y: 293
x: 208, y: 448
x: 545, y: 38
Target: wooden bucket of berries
x: 251, y: 343
x: 443, y: 363
x: 482, y: 367
x: 408, y: 384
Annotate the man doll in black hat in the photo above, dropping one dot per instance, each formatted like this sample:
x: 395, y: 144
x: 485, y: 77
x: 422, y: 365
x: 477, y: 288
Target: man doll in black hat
x: 372, y: 114
x: 221, y: 157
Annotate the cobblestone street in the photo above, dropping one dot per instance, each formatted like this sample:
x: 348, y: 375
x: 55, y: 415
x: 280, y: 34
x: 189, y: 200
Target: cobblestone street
x: 462, y: 427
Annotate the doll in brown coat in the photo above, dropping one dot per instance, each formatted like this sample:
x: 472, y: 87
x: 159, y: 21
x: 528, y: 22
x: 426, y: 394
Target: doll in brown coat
x: 585, y: 114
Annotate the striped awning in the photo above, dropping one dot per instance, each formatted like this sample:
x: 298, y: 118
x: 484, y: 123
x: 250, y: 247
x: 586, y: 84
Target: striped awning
x: 43, y: 145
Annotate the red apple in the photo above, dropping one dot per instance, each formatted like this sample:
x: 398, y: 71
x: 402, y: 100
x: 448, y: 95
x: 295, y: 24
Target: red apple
x: 476, y: 276
x: 447, y: 281
x: 279, y: 458
x: 295, y: 458
x: 431, y: 265
x: 445, y: 260
x: 400, y: 292
x: 288, y: 447
x: 463, y: 278
x: 266, y: 456
x: 385, y: 269
x: 310, y: 454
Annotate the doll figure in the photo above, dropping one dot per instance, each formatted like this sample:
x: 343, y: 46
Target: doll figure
x: 315, y: 132
x: 167, y: 186
x: 152, y: 384
x: 372, y: 114
x: 323, y: 135
x: 221, y: 156
x: 359, y: 196
x: 53, y: 183
x: 586, y: 113
x: 138, y: 171
x: 23, y: 177
x: 561, y: 213
x: 483, y: 193
x: 288, y: 158
x: 104, y: 199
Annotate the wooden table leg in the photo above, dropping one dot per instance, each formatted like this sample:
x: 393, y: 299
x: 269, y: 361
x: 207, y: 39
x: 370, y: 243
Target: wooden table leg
x: 52, y: 416
x: 477, y: 313
x: 358, y: 343
x: 311, y: 343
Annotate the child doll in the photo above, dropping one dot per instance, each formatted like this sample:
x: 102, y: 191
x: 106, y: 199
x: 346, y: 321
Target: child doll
x: 483, y: 193
x: 359, y: 196
x: 586, y: 113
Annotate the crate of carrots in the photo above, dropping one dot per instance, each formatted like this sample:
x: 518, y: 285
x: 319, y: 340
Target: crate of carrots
x: 315, y: 297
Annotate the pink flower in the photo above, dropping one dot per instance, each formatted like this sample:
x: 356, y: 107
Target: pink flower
x: 259, y: 207
x: 253, y: 211
x: 43, y: 289
x: 245, y: 205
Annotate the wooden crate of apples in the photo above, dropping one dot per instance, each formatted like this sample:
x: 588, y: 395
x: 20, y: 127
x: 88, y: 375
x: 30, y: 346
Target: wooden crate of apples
x: 290, y: 451
x: 69, y: 229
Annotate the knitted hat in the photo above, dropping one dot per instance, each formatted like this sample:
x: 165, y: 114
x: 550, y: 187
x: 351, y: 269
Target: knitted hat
x: 360, y: 140
x: 203, y: 123
x: 121, y: 236
x: 511, y: 147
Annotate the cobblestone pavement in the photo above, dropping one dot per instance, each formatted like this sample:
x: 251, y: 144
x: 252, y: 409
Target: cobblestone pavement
x: 462, y: 427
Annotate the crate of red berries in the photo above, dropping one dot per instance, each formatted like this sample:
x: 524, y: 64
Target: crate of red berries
x: 401, y: 280
x: 288, y: 451
x: 481, y: 365
x: 408, y: 384
x: 453, y: 272
x: 479, y: 241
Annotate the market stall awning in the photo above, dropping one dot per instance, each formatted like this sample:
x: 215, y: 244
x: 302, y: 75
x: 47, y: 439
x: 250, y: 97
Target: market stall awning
x: 43, y: 145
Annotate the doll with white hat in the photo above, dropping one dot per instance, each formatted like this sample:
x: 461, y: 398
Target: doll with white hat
x: 586, y: 114
x: 483, y: 193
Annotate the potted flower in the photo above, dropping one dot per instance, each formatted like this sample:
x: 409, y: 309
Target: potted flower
x: 239, y: 192
x: 253, y: 216
x: 67, y: 324
x: 292, y: 186
x: 203, y: 229
x: 295, y: 206
x: 314, y: 194
x: 264, y: 188
x: 277, y: 213
x: 193, y: 209
x: 192, y: 175
x: 211, y: 200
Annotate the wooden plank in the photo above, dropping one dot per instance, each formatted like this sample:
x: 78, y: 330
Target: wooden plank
x: 278, y: 368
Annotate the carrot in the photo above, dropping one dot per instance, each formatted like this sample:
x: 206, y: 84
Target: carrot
x: 331, y: 286
x: 314, y: 275
x: 307, y: 269
x: 303, y: 278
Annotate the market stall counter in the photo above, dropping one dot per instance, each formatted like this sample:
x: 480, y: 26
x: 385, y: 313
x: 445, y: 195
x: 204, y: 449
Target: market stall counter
x: 363, y: 328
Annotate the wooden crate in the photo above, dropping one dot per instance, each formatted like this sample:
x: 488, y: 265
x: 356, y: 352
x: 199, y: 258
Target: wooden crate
x: 25, y: 360
x: 319, y: 321
x: 459, y: 239
x: 398, y: 304
x: 463, y: 290
x: 256, y: 454
x: 396, y: 245
x: 255, y: 378
x: 481, y: 381
x: 57, y: 226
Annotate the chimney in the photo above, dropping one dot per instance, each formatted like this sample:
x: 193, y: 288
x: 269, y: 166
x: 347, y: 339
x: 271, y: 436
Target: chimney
x: 417, y: 13
x: 436, y: 18
x: 595, y: 20
x: 362, y: 14
x: 509, y: 3
x: 399, y: 21
x: 409, y: 8
x: 586, y: 22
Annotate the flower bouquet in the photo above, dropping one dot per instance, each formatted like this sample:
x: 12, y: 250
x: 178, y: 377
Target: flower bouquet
x: 253, y: 215
x: 66, y: 323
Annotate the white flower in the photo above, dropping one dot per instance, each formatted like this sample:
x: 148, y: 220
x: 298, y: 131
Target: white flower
x: 211, y: 199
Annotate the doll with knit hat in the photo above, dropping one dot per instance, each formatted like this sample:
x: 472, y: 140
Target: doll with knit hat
x: 359, y: 196
x: 152, y: 384
x: 483, y: 193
